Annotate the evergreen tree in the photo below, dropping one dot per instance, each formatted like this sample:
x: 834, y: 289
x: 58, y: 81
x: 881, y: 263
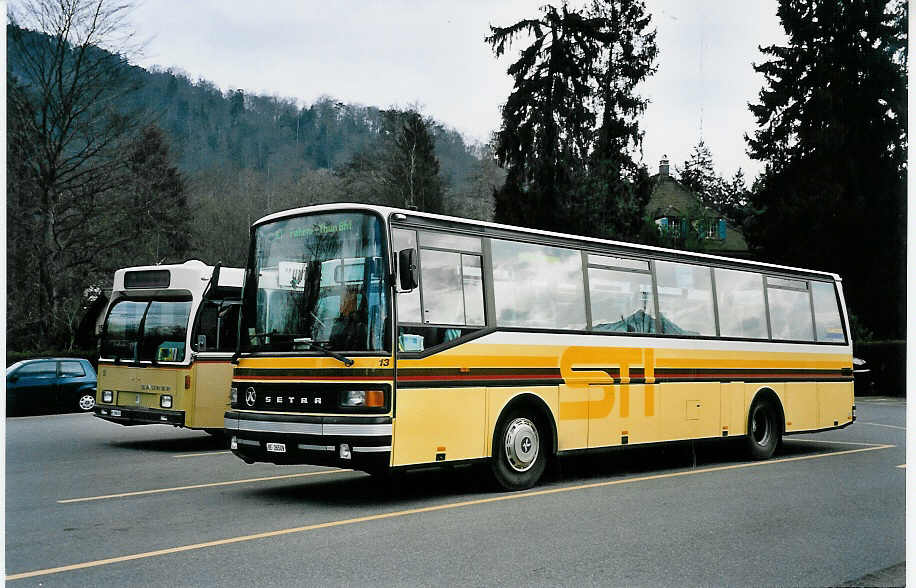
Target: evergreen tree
x: 413, y: 169
x: 401, y: 169
x: 618, y: 187
x: 565, y: 170
x: 726, y: 197
x: 698, y: 175
x: 832, y: 131
x: 157, y: 203
x: 737, y: 197
x: 547, y: 124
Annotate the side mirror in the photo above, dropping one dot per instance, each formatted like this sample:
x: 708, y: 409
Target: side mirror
x: 408, y: 274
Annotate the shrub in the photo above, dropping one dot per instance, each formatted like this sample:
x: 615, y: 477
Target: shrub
x: 887, y: 362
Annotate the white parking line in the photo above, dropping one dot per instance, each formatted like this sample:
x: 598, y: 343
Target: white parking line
x: 881, y: 425
x: 858, y: 443
x: 196, y: 486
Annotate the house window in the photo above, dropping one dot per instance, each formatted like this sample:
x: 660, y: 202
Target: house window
x: 669, y: 225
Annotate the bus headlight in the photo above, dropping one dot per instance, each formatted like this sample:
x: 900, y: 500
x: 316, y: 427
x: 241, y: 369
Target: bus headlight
x: 107, y: 396
x: 233, y: 395
x: 165, y: 401
x: 362, y: 398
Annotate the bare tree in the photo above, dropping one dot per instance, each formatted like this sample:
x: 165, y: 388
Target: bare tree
x: 69, y: 60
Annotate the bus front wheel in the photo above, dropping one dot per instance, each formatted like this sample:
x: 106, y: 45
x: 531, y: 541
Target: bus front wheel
x: 519, y: 454
x: 764, y: 429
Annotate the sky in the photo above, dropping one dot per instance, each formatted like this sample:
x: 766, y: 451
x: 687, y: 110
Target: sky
x: 431, y: 54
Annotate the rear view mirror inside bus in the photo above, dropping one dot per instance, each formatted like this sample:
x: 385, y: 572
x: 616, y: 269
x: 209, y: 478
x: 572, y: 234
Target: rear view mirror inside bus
x: 408, y: 273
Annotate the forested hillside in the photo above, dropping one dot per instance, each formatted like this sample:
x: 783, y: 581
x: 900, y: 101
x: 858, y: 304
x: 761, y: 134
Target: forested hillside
x: 112, y: 165
x: 245, y: 155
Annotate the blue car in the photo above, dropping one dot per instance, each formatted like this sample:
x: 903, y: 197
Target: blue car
x: 50, y: 384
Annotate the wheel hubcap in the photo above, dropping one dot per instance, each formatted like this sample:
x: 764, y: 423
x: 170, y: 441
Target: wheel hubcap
x: 87, y: 402
x: 760, y: 426
x: 522, y: 444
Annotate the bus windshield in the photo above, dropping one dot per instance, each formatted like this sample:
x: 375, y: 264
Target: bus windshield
x: 146, y: 330
x: 317, y: 279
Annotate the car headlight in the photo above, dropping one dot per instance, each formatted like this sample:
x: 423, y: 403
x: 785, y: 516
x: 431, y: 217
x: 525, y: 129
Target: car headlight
x: 165, y: 401
x: 362, y: 398
x: 107, y: 396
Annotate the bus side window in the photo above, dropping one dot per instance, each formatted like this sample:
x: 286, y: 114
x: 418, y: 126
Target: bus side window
x: 685, y: 299
x: 217, y: 327
x: 228, y: 327
x: 620, y: 292
x: 790, y: 309
x: 741, y: 304
x: 205, y: 338
x: 538, y: 286
x: 449, y: 303
x: 827, y: 313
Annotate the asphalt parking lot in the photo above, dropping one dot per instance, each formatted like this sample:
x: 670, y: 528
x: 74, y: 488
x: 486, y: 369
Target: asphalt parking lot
x: 92, y: 503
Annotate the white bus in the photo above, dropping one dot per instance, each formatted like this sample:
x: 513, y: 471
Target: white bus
x: 166, y: 346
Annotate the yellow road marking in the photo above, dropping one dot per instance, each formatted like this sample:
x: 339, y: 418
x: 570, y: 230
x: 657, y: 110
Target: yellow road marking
x: 881, y: 425
x: 902, y: 466
x: 195, y: 486
x: 202, y: 454
x: 427, y: 509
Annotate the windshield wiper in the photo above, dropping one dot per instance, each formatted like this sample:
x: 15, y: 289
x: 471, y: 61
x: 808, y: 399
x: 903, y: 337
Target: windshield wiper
x: 307, y: 341
x: 291, y: 338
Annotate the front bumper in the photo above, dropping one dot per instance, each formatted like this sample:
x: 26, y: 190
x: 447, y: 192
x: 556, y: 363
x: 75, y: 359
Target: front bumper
x: 362, y: 443
x: 139, y: 416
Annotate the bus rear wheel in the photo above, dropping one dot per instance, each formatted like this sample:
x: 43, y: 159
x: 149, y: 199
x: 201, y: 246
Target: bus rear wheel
x: 764, y: 429
x: 519, y: 454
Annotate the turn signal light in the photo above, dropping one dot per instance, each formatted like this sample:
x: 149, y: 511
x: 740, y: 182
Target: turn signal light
x: 187, y: 382
x: 375, y: 398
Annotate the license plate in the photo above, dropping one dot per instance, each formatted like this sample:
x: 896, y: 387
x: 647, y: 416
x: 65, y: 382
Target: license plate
x: 276, y: 447
x: 115, y: 412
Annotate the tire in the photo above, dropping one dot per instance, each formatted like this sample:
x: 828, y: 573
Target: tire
x: 520, y: 447
x: 218, y: 433
x: 85, y: 401
x: 764, y: 429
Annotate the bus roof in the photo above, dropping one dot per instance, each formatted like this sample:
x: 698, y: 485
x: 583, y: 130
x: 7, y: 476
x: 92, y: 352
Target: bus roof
x: 387, y: 212
x: 192, y: 275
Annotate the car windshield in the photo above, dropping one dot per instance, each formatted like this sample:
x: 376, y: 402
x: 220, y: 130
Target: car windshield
x: 146, y: 330
x: 317, y: 279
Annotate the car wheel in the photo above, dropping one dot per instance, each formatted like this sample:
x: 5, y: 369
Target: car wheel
x: 519, y: 457
x: 86, y: 402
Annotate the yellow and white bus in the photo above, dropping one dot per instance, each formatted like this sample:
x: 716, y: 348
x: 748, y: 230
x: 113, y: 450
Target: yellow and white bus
x: 167, y: 343
x: 376, y: 338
